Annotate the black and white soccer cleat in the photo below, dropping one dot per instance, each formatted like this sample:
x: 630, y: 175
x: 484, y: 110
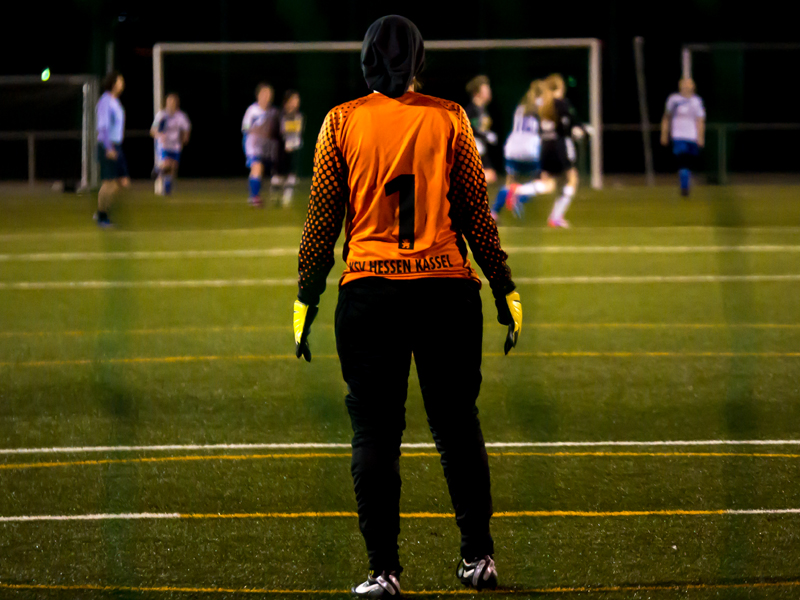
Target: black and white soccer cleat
x: 383, y: 585
x: 480, y: 574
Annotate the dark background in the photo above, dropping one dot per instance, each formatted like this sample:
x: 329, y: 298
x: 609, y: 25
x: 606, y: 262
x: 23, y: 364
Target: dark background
x: 71, y: 37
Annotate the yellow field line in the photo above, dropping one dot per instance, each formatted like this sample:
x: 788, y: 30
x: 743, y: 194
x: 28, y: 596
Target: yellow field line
x: 623, y: 354
x: 157, y: 459
x: 260, y: 328
x: 269, y: 357
x: 599, y: 589
x: 315, y: 455
x: 498, y: 515
x: 157, y: 360
x: 650, y: 454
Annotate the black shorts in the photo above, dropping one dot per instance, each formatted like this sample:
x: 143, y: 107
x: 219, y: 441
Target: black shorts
x: 288, y: 163
x: 558, y: 156
x: 112, y: 169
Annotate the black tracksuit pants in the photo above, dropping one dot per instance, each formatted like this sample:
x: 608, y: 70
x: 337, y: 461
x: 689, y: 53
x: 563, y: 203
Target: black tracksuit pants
x: 380, y: 323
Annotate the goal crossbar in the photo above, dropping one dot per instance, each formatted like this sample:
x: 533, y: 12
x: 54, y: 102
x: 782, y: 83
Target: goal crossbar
x: 688, y: 49
x: 590, y: 44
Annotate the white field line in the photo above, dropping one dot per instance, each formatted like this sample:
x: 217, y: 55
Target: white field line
x: 147, y: 515
x: 161, y: 283
x: 150, y: 255
x: 291, y: 282
x: 648, y: 249
x: 654, y: 279
x: 418, y: 445
x: 90, y: 517
x: 264, y: 328
x: 292, y: 251
x: 93, y: 232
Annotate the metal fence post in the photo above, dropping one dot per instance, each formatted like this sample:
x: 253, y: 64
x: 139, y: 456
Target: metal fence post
x: 31, y: 160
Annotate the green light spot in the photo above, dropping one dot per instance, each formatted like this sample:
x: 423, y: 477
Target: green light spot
x: 45, y: 74
x: 571, y: 81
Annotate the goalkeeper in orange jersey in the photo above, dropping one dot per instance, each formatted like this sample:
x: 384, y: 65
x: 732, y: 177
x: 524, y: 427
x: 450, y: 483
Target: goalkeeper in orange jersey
x: 402, y: 171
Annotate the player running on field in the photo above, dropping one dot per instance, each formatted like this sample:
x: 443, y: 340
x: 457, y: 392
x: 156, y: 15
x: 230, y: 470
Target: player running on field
x: 260, y: 131
x: 291, y: 130
x: 110, y: 133
x: 685, y: 122
x: 559, y: 125
x: 402, y: 170
x: 480, y: 92
x: 170, y: 129
x: 522, y: 152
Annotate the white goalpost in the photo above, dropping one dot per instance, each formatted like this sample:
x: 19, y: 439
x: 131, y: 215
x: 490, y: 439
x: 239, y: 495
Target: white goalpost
x: 590, y: 44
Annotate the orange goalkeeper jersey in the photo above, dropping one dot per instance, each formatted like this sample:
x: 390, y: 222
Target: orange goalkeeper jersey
x: 407, y: 179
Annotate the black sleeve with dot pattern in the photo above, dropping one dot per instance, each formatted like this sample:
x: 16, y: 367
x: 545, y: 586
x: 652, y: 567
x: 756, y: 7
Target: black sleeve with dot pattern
x: 326, y: 210
x: 470, y: 214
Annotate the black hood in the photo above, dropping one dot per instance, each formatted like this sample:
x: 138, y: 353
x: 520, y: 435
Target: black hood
x: 392, y: 54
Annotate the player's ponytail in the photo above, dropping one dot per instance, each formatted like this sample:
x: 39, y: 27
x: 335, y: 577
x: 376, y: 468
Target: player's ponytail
x: 555, y: 83
x: 530, y: 101
x: 547, y: 104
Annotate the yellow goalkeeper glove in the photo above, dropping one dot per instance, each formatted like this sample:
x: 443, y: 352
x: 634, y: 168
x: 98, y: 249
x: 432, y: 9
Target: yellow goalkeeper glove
x: 303, y: 317
x: 509, y: 312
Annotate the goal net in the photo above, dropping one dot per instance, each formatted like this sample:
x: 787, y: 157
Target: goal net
x: 216, y: 83
x: 47, y: 128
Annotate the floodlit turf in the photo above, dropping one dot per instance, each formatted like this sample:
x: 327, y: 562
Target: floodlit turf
x: 103, y: 343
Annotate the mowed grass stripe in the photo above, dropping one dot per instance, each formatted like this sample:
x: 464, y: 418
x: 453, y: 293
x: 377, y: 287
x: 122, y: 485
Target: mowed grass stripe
x: 323, y: 455
x: 516, y: 514
x: 598, y: 589
x: 291, y: 282
x: 264, y: 328
x: 146, y: 360
x: 293, y: 251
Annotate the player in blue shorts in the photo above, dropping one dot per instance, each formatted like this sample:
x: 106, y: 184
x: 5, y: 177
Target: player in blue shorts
x: 170, y: 129
x: 260, y: 131
x: 110, y: 133
x: 522, y: 152
x: 685, y: 122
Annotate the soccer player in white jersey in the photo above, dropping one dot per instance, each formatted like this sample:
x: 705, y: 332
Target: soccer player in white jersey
x: 171, y: 129
x: 260, y: 131
x: 685, y: 122
x: 522, y: 152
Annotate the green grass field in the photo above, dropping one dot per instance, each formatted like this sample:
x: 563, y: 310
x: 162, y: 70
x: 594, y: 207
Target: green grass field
x: 654, y: 319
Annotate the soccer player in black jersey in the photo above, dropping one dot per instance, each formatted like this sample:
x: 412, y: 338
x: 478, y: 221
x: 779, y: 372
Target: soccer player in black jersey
x: 480, y: 91
x: 559, y: 126
x: 292, y: 124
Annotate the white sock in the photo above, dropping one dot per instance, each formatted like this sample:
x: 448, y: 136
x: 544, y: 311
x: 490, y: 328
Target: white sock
x: 562, y: 203
x: 532, y: 188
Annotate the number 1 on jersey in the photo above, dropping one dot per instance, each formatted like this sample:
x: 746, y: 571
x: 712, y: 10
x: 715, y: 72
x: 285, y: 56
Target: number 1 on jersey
x: 404, y: 185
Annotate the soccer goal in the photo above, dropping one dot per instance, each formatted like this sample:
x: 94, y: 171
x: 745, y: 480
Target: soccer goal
x: 328, y: 73
x: 52, y: 117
